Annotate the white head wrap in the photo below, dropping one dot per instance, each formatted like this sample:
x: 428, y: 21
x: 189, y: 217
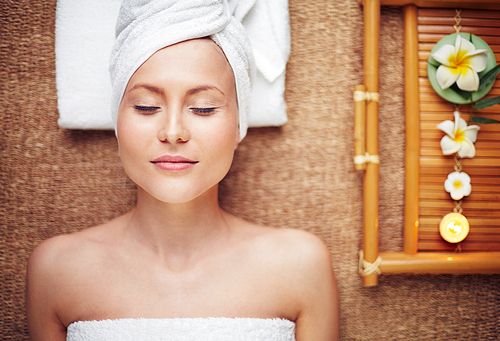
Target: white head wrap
x: 146, y: 26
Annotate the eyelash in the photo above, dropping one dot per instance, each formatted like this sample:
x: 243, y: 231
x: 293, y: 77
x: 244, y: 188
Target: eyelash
x: 151, y: 109
x: 203, y: 111
x: 145, y: 108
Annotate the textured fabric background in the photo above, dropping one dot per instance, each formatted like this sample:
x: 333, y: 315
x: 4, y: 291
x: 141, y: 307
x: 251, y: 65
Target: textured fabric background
x: 57, y: 181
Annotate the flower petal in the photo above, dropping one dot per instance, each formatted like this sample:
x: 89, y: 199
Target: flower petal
x: 467, y: 149
x: 471, y: 132
x: 477, y: 62
x: 447, y: 127
x: 464, y: 46
x: 448, y: 186
x: 459, y: 122
x: 457, y: 195
x: 467, y: 189
x: 468, y: 80
x: 446, y: 76
x: 449, y: 146
x: 443, y: 54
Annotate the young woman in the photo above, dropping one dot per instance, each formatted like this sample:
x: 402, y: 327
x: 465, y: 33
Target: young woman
x: 178, y: 267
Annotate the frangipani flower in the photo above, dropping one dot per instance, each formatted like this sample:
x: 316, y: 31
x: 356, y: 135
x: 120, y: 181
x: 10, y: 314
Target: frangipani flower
x: 460, y: 63
x: 458, y: 185
x: 459, y: 137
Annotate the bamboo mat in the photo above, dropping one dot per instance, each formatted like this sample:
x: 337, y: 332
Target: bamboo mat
x: 482, y: 207
x: 56, y: 181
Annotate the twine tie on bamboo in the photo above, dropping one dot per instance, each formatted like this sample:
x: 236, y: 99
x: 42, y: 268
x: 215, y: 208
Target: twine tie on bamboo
x: 458, y: 19
x: 360, y: 96
x: 367, y: 158
x: 366, y: 268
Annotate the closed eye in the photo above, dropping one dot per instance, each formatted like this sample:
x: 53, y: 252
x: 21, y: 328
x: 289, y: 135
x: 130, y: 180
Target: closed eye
x: 203, y: 111
x: 146, y: 109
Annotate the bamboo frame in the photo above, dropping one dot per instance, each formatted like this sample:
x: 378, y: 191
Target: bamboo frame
x: 410, y: 260
x: 371, y: 178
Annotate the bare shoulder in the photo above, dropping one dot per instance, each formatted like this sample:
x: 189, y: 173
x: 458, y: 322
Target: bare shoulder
x: 301, y: 250
x: 299, y: 264
x: 56, y: 256
x: 53, y: 269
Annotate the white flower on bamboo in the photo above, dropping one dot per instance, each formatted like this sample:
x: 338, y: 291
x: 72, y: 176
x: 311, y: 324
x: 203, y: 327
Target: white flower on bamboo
x: 460, y: 64
x: 459, y: 137
x: 458, y: 185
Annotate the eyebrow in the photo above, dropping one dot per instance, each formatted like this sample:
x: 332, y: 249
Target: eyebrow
x: 148, y: 87
x: 204, y: 88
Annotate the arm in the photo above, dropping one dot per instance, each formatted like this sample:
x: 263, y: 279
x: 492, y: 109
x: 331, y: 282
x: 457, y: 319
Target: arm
x: 319, y: 316
x: 41, y: 289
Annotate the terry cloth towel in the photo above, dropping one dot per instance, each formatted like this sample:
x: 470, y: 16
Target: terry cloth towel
x: 85, y: 33
x: 183, y: 329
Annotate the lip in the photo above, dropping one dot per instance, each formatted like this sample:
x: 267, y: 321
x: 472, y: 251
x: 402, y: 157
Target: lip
x: 173, y: 162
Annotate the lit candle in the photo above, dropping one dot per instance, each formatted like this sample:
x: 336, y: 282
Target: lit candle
x: 454, y: 227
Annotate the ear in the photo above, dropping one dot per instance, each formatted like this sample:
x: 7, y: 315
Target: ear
x: 237, y: 140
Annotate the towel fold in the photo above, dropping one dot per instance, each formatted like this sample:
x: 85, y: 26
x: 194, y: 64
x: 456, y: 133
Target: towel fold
x: 85, y: 32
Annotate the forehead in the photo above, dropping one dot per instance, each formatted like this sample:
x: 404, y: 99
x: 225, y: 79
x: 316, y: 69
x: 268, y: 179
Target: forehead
x: 197, y: 59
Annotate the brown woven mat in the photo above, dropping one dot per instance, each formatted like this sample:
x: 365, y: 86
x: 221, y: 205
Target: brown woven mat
x: 56, y: 181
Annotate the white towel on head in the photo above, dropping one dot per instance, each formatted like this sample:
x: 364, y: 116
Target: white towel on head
x: 85, y: 36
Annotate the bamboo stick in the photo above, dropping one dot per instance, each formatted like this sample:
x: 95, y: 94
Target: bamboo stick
x: 440, y: 263
x: 359, y: 127
x: 450, y: 12
x: 494, y: 171
x: 412, y: 149
x: 486, y: 206
x: 435, y: 37
x: 434, y: 221
x: 371, y: 179
x: 426, y: 179
x: 493, y: 153
x: 482, y: 4
x: 439, y: 29
x: 449, y: 21
x: 436, y: 211
x: 471, y: 238
x: 465, y: 246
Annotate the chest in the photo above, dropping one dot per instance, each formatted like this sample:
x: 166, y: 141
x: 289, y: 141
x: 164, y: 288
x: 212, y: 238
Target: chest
x: 133, y: 290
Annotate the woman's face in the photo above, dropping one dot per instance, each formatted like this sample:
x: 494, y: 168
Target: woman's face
x: 178, y: 121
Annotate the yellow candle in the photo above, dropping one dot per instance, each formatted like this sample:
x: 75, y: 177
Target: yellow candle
x: 454, y: 227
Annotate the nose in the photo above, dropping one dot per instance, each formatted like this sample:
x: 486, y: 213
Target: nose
x: 173, y: 128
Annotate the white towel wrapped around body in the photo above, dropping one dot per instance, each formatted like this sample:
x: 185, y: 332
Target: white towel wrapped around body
x: 84, y: 40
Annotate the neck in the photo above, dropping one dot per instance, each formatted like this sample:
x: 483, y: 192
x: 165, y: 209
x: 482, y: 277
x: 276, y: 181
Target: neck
x: 179, y: 232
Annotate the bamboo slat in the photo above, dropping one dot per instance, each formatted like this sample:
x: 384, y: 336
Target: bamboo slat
x: 465, y: 246
x: 450, y: 13
x: 442, y: 211
x: 465, y: 22
x: 429, y: 180
x: 484, y: 4
x: 425, y: 222
x: 473, y: 172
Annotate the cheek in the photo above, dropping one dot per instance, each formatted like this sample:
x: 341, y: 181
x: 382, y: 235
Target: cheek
x: 131, y: 139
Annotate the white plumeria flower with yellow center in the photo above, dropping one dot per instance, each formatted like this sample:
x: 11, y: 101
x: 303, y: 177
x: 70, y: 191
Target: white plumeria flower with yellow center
x: 460, y: 63
x: 459, y: 137
x: 458, y: 185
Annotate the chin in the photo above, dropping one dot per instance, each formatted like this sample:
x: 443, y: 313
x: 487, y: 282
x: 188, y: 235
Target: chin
x: 179, y: 192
